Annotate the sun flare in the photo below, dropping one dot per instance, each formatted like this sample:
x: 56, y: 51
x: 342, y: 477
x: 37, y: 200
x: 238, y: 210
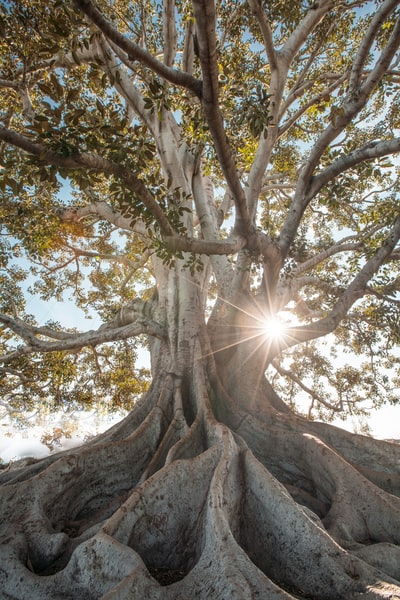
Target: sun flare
x: 274, y: 328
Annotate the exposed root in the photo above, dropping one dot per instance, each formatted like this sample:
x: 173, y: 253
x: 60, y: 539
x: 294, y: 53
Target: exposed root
x: 175, y: 504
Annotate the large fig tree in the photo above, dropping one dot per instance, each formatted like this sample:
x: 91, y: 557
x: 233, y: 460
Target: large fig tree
x: 192, y: 172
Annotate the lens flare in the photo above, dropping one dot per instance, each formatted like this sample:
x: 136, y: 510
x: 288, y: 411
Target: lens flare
x: 274, y: 329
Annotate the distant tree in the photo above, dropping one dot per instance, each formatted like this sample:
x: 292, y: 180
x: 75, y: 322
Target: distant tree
x: 195, y: 173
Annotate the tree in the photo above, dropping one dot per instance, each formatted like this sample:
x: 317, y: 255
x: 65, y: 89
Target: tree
x: 193, y: 171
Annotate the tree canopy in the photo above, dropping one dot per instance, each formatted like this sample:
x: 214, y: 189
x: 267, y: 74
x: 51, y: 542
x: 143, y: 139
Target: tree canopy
x: 288, y: 116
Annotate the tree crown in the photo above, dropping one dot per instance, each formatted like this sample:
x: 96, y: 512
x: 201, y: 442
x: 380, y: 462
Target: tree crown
x: 251, y: 144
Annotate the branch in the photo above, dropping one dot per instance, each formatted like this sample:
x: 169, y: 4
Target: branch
x: 321, y: 256
x: 117, y: 258
x: 303, y: 196
x: 204, y: 11
x: 5, y: 83
x: 135, y: 52
x: 314, y: 100
x: 387, y: 293
x: 355, y: 290
x: 22, y: 89
x: 104, y: 211
x: 354, y: 103
x: 280, y: 64
x: 172, y: 240
x: 302, y: 32
x: 362, y: 54
x: 382, y: 64
x: 370, y: 151
x: 139, y: 264
x: 170, y: 36
x: 122, y: 82
x: 94, y: 163
x: 265, y: 28
x: 300, y: 83
x: 315, y: 397
x: 203, y: 195
x: 289, y: 288
x: 208, y: 247
x: 67, y: 342
x: 188, y: 48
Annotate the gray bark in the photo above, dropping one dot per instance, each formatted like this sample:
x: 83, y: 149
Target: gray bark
x: 210, y: 488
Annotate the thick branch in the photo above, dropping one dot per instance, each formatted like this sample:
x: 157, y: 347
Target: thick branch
x: 188, y: 49
x: 5, y: 83
x: 85, y: 160
x: 135, y: 52
x: 370, y: 151
x: 206, y: 23
x: 92, y: 162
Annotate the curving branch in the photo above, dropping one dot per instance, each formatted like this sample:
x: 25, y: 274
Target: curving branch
x: 29, y: 332
x: 368, y: 152
x: 355, y: 290
x: 314, y: 396
x: 93, y: 162
x: 135, y: 52
x: 347, y: 246
x: 70, y: 342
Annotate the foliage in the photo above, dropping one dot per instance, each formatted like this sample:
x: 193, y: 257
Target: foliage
x: 94, y: 198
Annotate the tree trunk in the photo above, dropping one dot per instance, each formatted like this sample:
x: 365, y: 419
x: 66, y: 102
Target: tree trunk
x: 209, y: 488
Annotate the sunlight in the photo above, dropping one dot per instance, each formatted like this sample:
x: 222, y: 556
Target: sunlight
x: 274, y: 328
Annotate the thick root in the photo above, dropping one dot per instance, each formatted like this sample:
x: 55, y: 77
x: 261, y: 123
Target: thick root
x: 175, y: 504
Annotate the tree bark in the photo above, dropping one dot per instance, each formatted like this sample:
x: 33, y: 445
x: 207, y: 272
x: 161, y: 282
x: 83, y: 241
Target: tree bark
x: 209, y: 488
